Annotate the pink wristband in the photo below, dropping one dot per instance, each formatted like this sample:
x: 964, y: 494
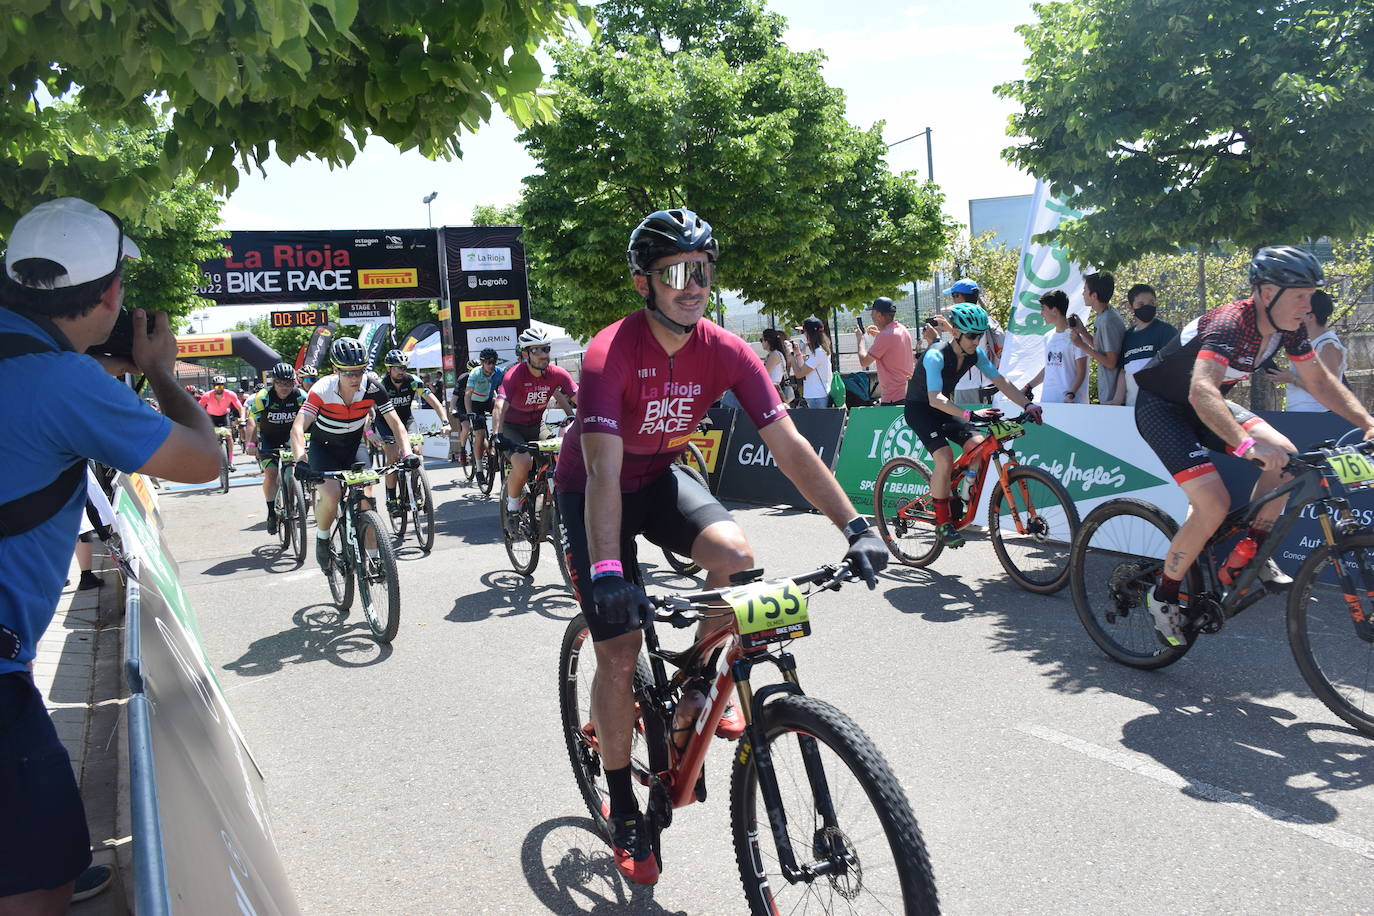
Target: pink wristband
x: 607, y: 568
x: 968, y: 414
x: 1245, y: 446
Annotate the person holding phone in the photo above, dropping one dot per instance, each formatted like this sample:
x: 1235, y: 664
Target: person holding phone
x: 1066, y: 368
x: 889, y: 351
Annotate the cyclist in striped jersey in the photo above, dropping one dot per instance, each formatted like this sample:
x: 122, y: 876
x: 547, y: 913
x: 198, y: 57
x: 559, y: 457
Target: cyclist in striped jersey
x: 336, y: 411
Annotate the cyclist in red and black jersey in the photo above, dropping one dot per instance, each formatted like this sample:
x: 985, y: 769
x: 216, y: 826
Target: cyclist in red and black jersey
x: 647, y: 380
x: 1182, y: 410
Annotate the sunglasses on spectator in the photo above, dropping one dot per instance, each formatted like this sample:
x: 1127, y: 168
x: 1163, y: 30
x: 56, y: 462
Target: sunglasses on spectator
x: 676, y: 276
x: 538, y: 350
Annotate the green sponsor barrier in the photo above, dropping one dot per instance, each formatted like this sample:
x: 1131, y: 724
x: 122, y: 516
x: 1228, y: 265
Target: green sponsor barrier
x: 1087, y: 469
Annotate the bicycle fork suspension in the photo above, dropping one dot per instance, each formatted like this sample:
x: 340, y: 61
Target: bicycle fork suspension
x: 1363, y: 628
x: 757, y: 744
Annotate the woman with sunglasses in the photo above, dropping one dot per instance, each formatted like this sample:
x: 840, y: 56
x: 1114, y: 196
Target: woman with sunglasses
x: 811, y: 363
x: 935, y: 418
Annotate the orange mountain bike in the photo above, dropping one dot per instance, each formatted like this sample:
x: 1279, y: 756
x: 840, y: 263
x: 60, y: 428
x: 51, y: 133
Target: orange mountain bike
x: 1031, y: 517
x: 838, y: 833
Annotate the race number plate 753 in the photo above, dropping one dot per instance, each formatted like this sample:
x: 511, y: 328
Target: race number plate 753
x: 767, y: 612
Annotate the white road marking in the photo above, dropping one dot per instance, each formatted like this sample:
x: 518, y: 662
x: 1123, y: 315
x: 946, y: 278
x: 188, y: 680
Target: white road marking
x: 1140, y: 766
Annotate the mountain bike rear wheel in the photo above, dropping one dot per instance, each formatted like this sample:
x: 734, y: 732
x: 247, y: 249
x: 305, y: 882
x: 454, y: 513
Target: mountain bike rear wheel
x: 1334, y: 660
x: 379, y: 584
x: 559, y: 540
x: 1116, y: 560
x: 846, y: 813
x: 576, y: 671
x: 339, y: 572
x: 488, y: 473
x: 911, y: 540
x: 1033, y: 533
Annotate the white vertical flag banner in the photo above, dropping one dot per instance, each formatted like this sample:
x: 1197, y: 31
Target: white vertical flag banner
x: 1043, y: 267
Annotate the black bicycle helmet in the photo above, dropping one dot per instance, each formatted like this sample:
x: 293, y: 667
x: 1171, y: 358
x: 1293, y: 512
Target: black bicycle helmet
x: 310, y: 371
x: 396, y: 358
x: 348, y: 353
x: 489, y: 353
x: 284, y: 372
x: 668, y: 232
x: 1286, y: 266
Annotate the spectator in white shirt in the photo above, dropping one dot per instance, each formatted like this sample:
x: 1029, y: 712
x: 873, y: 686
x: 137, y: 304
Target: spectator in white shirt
x: 1065, y: 375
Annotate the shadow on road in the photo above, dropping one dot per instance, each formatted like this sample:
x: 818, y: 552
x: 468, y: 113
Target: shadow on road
x: 1212, y: 718
x: 266, y: 558
x: 318, y: 634
x: 509, y: 594
x: 938, y: 598
x: 569, y: 867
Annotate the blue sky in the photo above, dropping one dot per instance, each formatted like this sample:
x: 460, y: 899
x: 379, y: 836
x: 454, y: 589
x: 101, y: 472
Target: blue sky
x: 910, y: 65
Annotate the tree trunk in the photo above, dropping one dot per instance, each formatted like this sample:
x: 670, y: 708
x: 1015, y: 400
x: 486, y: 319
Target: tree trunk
x: 1202, y: 278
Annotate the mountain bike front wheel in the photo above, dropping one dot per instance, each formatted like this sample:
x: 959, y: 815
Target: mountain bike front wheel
x: 379, y: 584
x: 299, y: 518
x: 284, y: 507
x: 847, y: 817
x: 421, y: 509
x: 1032, y: 531
x: 521, y: 534
x: 1335, y: 660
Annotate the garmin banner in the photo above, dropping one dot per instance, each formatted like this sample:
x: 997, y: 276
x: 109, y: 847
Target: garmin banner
x: 323, y: 266
x: 202, y: 840
x: 750, y: 474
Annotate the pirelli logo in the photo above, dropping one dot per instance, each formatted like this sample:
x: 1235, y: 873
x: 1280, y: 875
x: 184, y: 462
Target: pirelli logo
x: 489, y: 310
x: 196, y: 346
x: 391, y: 277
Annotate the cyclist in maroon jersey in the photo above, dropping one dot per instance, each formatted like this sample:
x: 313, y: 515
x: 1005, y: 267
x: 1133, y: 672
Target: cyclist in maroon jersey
x: 647, y: 380
x: 1182, y: 411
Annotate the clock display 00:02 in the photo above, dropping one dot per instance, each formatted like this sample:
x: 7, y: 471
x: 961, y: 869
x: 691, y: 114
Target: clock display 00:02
x: 300, y: 318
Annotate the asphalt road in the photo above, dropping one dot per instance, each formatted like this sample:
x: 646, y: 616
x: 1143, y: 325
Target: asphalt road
x: 430, y: 777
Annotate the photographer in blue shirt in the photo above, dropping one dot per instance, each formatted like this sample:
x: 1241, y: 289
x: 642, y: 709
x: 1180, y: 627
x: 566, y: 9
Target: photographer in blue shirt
x: 61, y: 293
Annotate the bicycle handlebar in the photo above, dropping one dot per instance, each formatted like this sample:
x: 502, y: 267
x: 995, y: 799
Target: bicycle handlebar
x: 678, y: 609
x: 1315, y: 458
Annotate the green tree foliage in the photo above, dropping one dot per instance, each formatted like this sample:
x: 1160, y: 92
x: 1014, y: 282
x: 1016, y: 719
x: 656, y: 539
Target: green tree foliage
x: 702, y: 105
x: 990, y: 264
x: 244, y: 80
x: 1190, y: 123
x: 496, y: 215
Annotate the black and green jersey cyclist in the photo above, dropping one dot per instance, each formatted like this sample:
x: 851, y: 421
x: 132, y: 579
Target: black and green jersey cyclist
x: 401, y: 388
x: 936, y: 419
x: 270, y: 414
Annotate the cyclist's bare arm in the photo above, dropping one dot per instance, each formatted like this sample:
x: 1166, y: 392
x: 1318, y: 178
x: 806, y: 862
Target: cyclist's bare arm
x: 398, y: 429
x: 940, y: 402
x: 603, y: 455
x: 190, y: 453
x: 1204, y: 394
x: 498, y: 415
x: 467, y: 402
x: 798, y: 460
x: 298, y: 428
x: 566, y: 404
x: 1323, y: 386
x: 250, y: 427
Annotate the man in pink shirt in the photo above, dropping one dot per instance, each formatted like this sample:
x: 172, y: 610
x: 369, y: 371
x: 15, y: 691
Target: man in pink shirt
x: 890, y: 350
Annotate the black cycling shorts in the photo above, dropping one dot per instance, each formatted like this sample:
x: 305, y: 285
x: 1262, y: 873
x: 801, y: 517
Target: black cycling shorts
x: 670, y: 513
x: 1178, y: 435
x: 327, y: 455
x: 524, y: 435
x: 383, y: 429
x: 269, y: 452
x: 935, y: 428
x: 221, y: 420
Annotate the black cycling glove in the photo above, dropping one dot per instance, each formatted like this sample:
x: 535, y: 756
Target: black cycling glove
x: 619, y: 601
x: 412, y: 461
x: 301, y: 471
x: 501, y: 442
x: 867, y: 556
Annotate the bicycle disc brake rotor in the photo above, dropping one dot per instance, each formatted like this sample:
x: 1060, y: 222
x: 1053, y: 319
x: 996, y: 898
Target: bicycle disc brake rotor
x: 831, y: 844
x: 1038, y: 528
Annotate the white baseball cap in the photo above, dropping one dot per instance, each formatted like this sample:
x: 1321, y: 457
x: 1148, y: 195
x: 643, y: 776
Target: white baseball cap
x: 84, y: 239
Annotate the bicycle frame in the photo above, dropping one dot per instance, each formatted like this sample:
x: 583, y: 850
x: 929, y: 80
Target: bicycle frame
x: 990, y: 452
x: 681, y: 772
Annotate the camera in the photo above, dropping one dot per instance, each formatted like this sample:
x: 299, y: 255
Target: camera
x: 1074, y: 322
x: 120, y: 343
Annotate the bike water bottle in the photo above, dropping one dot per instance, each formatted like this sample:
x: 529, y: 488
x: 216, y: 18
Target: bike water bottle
x: 1241, y: 554
x: 966, y: 485
x: 689, y: 706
